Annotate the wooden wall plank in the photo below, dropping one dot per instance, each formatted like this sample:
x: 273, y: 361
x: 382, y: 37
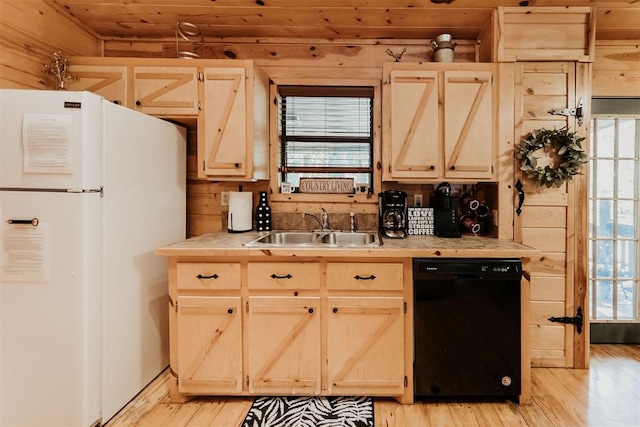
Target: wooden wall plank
x: 29, y: 32
x: 616, y: 70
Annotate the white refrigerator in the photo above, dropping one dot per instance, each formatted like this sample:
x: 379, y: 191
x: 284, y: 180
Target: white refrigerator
x: 88, y: 191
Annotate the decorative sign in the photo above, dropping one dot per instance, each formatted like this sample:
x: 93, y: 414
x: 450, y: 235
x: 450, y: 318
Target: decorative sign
x: 326, y: 185
x: 420, y: 221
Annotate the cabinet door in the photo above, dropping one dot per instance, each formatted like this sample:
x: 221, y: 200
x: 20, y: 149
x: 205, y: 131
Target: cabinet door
x: 166, y: 91
x: 209, y: 345
x: 109, y: 82
x: 223, y: 135
x: 284, y: 345
x: 412, y: 144
x: 468, y: 124
x: 365, y: 346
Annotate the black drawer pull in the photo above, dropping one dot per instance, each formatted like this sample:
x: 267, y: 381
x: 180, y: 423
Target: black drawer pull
x: 230, y: 311
x: 214, y: 276
x: 275, y: 276
x: 335, y: 309
x: 311, y: 311
x: 358, y: 277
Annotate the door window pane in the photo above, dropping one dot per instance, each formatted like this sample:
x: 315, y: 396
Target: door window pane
x: 613, y: 219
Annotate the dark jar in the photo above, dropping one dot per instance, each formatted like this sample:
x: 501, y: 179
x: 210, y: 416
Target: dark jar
x: 263, y: 213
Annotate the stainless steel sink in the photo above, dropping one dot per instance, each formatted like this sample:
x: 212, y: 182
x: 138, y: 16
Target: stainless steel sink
x: 280, y: 238
x: 288, y: 238
x: 349, y: 239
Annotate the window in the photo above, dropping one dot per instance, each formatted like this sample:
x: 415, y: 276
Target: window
x: 326, y: 132
x: 613, y: 216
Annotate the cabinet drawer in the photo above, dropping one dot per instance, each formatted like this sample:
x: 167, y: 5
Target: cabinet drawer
x: 365, y: 276
x: 208, y: 275
x: 283, y: 275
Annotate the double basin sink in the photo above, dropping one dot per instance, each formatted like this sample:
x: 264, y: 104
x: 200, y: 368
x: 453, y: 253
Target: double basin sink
x: 316, y: 239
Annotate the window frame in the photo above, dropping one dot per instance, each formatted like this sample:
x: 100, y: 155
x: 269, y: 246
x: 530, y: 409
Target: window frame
x: 275, y: 160
x: 593, y: 238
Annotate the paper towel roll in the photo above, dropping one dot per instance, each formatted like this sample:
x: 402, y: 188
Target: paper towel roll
x: 240, y: 211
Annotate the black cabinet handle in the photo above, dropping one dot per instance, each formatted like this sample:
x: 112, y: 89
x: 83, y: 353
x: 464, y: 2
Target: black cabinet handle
x: 310, y: 310
x: 138, y: 103
x: 230, y: 311
x: 452, y: 168
x: 432, y: 167
x: 214, y: 276
x: 358, y: 277
x: 335, y: 309
x: 275, y: 276
x: 520, y: 197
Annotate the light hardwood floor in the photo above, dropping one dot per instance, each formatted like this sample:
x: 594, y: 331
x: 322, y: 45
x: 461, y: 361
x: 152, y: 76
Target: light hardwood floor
x: 606, y: 395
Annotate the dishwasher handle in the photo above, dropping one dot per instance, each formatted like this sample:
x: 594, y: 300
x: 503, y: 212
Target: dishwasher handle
x: 467, y: 276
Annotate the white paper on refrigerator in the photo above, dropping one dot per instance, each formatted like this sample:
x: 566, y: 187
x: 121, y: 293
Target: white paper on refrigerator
x: 25, y: 253
x: 46, y: 139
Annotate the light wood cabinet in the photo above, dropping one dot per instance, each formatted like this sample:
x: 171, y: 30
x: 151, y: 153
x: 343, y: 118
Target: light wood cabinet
x: 365, y: 333
x: 228, y: 99
x: 209, y: 344
x: 439, y: 122
x: 283, y: 327
x: 365, y: 346
x: 108, y: 81
x: 166, y: 91
x: 284, y: 350
x: 233, y: 133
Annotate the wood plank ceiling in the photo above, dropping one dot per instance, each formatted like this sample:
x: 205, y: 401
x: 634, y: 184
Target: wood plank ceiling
x: 325, y: 19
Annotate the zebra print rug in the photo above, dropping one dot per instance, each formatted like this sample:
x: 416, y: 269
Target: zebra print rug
x: 316, y: 411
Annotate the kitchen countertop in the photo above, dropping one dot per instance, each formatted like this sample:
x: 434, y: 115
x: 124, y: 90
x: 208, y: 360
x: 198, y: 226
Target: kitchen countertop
x: 223, y: 243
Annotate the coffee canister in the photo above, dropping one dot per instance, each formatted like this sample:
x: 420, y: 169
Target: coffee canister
x: 443, y: 47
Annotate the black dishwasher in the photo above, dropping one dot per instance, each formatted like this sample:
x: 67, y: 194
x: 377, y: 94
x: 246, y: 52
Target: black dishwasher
x: 467, y: 327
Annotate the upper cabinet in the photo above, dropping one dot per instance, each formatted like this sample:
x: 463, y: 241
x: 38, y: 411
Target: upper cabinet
x: 108, y: 81
x: 233, y: 133
x: 229, y: 99
x: 166, y: 91
x: 438, y: 122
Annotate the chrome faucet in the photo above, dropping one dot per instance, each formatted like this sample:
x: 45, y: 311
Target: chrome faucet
x: 352, y: 222
x: 325, y: 219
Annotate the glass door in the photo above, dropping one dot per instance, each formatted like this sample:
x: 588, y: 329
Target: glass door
x: 613, y: 218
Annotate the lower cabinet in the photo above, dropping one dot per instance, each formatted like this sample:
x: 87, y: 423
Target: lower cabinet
x: 288, y: 328
x: 209, y: 344
x: 284, y: 350
x: 365, y: 346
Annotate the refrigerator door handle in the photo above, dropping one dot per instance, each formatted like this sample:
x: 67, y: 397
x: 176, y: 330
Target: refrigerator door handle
x: 57, y: 190
x: 34, y: 221
x: 87, y: 190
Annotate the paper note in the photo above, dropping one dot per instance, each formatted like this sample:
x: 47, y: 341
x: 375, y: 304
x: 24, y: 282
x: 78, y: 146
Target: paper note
x: 25, y: 253
x: 46, y: 139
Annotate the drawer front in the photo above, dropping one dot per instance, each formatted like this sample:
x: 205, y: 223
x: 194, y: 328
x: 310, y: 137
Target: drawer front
x: 283, y: 275
x: 365, y: 276
x: 208, y: 275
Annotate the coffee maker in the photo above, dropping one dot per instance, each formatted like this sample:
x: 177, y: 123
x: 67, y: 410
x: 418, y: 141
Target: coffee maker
x: 392, y: 218
x: 445, y: 212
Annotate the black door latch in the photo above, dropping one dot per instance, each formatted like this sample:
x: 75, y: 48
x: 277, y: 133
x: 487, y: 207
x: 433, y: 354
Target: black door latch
x: 578, y: 320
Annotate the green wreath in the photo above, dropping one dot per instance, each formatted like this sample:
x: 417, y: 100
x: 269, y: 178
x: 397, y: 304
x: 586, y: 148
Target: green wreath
x: 561, y: 145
